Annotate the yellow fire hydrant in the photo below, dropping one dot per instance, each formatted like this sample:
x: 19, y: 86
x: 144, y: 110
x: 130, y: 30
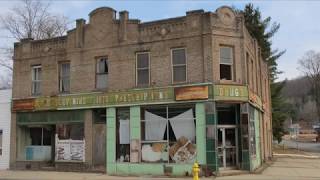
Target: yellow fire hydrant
x: 195, y: 171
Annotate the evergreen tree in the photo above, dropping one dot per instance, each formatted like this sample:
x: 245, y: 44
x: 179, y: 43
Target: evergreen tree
x: 263, y: 30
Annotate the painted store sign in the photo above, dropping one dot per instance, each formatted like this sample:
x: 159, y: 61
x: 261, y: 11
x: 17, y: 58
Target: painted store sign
x: 230, y: 92
x: 191, y: 93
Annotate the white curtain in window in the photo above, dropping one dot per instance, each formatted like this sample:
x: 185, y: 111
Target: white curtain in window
x: 155, y: 126
x: 183, y: 125
x: 124, y: 132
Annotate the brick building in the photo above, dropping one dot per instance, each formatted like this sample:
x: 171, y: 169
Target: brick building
x: 132, y: 97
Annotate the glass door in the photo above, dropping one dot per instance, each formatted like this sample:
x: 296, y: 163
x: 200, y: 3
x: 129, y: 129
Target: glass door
x: 227, y: 147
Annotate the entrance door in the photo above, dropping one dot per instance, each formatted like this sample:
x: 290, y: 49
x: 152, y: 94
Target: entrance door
x: 227, y: 147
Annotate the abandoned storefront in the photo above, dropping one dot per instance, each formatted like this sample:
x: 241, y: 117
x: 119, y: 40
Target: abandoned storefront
x: 157, y: 131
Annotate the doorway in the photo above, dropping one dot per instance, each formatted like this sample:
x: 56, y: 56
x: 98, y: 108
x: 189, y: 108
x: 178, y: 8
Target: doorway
x: 227, y: 147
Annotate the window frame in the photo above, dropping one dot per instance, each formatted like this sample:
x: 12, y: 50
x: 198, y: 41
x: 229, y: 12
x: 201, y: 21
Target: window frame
x: 33, y: 81
x: 60, y: 76
x: 137, y: 69
x: 231, y: 65
x: 1, y: 144
x: 97, y: 73
x: 167, y: 119
x: 179, y: 65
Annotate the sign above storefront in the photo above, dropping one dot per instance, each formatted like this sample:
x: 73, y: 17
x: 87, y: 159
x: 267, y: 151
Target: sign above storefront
x: 23, y: 105
x: 138, y: 96
x: 230, y: 93
x: 79, y: 101
x: 191, y: 93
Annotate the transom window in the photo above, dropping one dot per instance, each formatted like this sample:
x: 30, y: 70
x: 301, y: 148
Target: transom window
x: 179, y: 65
x: 143, y: 66
x: 226, y: 63
x: 36, y: 80
x: 102, y: 73
x: 64, y: 77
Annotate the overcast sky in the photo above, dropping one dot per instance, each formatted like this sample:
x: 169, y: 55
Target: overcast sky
x: 299, y: 31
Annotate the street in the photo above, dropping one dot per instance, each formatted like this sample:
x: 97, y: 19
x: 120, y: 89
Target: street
x: 304, y: 146
x: 281, y: 169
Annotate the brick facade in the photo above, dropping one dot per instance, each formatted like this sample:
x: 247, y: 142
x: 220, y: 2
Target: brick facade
x: 200, y: 33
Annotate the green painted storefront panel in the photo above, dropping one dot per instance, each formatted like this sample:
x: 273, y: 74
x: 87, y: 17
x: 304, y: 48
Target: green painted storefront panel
x: 210, y: 119
x: 111, y: 139
x: 50, y: 117
x: 245, y: 160
x: 111, y: 168
x: 146, y: 169
x: 256, y: 161
x: 211, y: 157
x: 201, y: 133
x: 211, y: 144
x: 182, y: 169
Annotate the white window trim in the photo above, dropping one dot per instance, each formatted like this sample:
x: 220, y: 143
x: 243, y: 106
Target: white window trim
x: 149, y: 71
x: 230, y: 64
x: 35, y: 81
x: 177, y: 65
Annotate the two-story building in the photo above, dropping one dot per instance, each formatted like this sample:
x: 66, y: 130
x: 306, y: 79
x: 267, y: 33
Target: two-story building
x: 135, y: 98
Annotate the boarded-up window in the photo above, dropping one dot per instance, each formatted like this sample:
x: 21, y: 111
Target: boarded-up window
x: 143, y: 73
x: 36, y: 80
x: 102, y: 73
x: 64, y: 77
x: 179, y: 65
x: 226, y: 62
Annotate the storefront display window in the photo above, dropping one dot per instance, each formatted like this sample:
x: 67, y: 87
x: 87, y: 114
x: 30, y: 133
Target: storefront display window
x: 123, y: 135
x: 168, y: 134
x: 34, y: 142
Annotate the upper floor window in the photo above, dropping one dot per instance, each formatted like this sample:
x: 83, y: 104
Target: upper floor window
x: 179, y: 65
x: 102, y: 73
x: 64, y: 77
x: 1, y: 137
x: 226, y: 63
x: 36, y: 80
x: 143, y: 66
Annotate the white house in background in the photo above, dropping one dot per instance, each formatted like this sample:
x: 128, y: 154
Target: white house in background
x: 5, y: 118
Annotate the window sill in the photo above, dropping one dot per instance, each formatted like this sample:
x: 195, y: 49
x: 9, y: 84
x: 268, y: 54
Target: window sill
x: 231, y: 82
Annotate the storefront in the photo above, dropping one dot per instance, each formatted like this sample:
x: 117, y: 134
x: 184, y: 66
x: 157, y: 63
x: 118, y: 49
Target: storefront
x: 155, y: 131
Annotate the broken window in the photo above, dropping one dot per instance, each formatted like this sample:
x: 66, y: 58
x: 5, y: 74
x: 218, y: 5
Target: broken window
x: 143, y: 64
x: 34, y: 142
x: 36, y: 80
x: 64, y: 77
x: 179, y: 65
x: 70, y: 131
x: 168, y: 134
x: 102, y: 73
x: 226, y: 63
x: 123, y: 135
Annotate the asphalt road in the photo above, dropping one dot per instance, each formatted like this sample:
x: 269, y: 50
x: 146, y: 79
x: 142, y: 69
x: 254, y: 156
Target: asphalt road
x: 304, y: 146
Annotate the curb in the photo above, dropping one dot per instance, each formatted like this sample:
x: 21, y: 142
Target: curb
x: 297, y: 156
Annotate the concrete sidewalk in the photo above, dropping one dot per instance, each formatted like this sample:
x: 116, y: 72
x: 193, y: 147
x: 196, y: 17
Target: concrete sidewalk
x: 281, y: 169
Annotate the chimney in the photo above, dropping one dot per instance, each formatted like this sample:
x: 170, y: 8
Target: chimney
x: 80, y: 32
x: 124, y: 17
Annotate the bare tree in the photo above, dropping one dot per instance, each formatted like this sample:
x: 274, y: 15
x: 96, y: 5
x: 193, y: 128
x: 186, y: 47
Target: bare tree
x: 310, y: 66
x: 30, y: 19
